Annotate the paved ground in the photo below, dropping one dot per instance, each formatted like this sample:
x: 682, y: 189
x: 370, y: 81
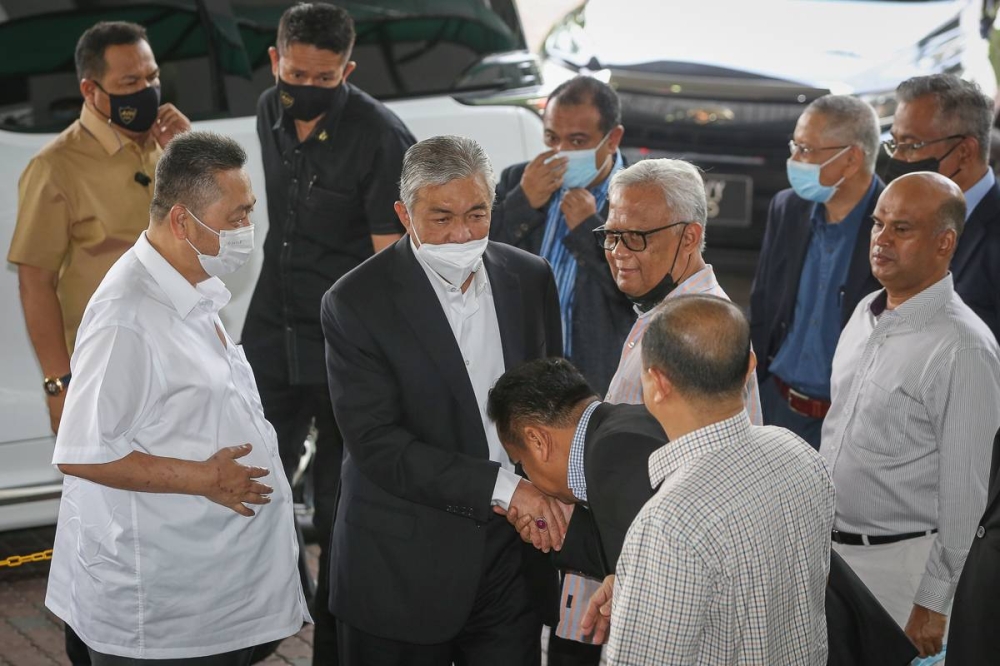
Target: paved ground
x: 31, y: 636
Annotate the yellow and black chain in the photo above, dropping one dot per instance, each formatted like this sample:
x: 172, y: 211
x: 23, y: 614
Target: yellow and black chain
x: 18, y: 560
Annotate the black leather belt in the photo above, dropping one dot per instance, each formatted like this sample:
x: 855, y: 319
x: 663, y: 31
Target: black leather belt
x: 849, y: 539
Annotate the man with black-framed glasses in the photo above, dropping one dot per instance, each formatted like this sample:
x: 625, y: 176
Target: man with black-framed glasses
x: 653, y: 241
x: 943, y: 124
x: 813, y: 266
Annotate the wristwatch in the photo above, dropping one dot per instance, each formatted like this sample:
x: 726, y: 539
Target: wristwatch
x: 56, y: 385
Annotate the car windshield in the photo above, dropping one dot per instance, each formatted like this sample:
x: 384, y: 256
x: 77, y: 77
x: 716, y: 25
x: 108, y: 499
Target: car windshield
x: 214, y: 62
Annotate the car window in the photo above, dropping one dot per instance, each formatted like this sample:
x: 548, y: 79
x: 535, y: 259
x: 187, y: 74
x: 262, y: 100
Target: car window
x: 215, y: 64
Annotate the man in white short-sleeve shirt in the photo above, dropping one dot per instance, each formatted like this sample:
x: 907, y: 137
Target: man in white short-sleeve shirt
x: 158, y: 553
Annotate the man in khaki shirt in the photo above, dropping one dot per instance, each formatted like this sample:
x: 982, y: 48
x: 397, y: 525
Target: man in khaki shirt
x: 84, y: 198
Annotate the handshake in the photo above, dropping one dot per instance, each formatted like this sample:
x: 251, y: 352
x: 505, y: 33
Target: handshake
x: 541, y: 520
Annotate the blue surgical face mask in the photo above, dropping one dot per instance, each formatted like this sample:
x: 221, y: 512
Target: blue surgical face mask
x: 804, y: 179
x: 581, y: 165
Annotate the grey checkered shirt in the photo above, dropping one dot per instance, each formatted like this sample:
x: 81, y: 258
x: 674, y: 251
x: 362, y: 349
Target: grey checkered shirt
x: 576, y: 479
x: 727, y: 564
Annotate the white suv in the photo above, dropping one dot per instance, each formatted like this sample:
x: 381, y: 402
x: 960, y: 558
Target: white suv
x: 443, y: 67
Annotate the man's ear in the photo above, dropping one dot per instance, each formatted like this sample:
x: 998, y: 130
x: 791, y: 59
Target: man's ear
x: 662, y: 388
x: 615, y: 137
x: 751, y: 366
x: 176, y: 219
x: 272, y: 53
x: 692, y: 237
x: 348, y: 68
x: 538, y: 443
x: 87, y: 90
x: 404, y: 217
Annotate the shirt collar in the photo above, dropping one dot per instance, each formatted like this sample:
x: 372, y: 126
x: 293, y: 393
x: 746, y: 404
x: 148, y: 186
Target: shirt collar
x: 918, y: 310
x: 101, y: 129
x: 977, y: 192
x: 182, y: 294
x: 673, y: 455
x: 576, y: 477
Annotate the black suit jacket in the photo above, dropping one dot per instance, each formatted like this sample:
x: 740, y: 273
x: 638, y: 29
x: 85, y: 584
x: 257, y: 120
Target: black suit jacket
x: 602, y: 315
x: 619, y: 441
x: 974, y: 637
x: 976, y: 264
x: 779, y: 269
x: 417, y: 482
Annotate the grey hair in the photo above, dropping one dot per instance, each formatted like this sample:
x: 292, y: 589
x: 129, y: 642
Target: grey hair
x: 440, y: 160
x: 186, y: 171
x: 951, y: 215
x: 962, y: 108
x: 850, y: 121
x: 682, y: 185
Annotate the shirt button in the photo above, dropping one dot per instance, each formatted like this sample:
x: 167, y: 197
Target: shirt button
x: 467, y: 361
x: 981, y: 531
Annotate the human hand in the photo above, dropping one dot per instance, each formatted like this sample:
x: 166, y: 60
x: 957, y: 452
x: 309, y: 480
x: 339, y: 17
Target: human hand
x: 577, y: 205
x: 925, y: 629
x: 596, y: 620
x: 169, y: 123
x: 56, y: 404
x: 232, y: 484
x: 547, y: 527
x: 541, y: 179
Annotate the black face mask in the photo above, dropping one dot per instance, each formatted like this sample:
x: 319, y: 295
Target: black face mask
x: 895, y: 168
x: 136, y: 111
x: 306, y: 103
x: 655, y: 296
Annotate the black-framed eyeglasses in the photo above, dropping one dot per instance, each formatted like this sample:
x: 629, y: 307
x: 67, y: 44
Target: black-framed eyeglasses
x: 634, y: 240
x: 891, y: 147
x: 799, y: 149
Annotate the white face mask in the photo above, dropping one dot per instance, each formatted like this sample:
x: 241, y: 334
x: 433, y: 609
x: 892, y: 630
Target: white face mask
x: 235, y: 246
x: 455, y: 262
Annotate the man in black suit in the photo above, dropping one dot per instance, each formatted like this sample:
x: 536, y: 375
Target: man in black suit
x: 813, y: 267
x: 943, y: 124
x: 596, y: 455
x: 975, y: 616
x: 551, y: 205
x: 422, y: 569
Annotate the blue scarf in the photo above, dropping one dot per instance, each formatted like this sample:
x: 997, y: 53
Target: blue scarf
x: 556, y: 253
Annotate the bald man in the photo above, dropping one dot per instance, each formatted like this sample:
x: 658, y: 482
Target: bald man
x: 916, y: 381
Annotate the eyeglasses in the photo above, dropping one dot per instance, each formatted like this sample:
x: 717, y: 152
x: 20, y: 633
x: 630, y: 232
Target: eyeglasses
x: 634, y: 240
x: 805, y: 151
x: 906, y: 149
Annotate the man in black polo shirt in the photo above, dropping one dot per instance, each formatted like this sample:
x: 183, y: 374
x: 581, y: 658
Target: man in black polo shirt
x: 332, y: 158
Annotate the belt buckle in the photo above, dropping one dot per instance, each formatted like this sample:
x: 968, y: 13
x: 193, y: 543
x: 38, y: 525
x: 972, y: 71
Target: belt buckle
x: 804, y: 400
x: 792, y: 392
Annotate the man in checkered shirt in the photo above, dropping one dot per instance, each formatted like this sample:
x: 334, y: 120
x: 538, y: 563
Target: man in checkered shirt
x: 727, y: 564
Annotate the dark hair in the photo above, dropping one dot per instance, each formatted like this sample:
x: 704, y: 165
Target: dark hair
x: 186, y: 172
x: 317, y: 24
x: 701, y: 343
x: 588, y: 90
x: 90, y: 48
x: 962, y: 108
x: 542, y: 392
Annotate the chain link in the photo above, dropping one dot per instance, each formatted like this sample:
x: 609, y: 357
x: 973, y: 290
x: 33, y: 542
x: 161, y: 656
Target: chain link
x: 18, y: 560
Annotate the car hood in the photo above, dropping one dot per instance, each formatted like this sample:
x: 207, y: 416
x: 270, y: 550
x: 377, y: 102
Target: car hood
x: 841, y: 45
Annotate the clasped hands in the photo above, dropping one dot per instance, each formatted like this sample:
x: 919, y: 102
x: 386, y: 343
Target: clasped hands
x: 539, y: 519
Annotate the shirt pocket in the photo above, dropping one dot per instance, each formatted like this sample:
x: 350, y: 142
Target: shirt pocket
x: 885, y: 414
x: 332, y: 217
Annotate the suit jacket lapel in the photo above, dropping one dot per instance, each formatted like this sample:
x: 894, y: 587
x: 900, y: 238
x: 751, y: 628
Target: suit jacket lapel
x: 859, y: 272
x: 422, y: 312
x: 796, y: 245
x: 975, y: 228
x: 508, y: 300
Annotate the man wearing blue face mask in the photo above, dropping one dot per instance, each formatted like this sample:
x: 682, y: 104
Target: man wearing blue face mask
x: 813, y: 266
x: 550, y: 207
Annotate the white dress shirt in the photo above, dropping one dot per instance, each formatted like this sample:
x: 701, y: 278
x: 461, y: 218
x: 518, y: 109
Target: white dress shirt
x: 909, y: 435
x: 727, y: 563
x: 155, y: 575
x: 472, y: 316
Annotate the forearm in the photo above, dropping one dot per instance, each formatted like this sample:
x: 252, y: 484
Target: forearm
x: 43, y: 318
x: 144, y: 473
